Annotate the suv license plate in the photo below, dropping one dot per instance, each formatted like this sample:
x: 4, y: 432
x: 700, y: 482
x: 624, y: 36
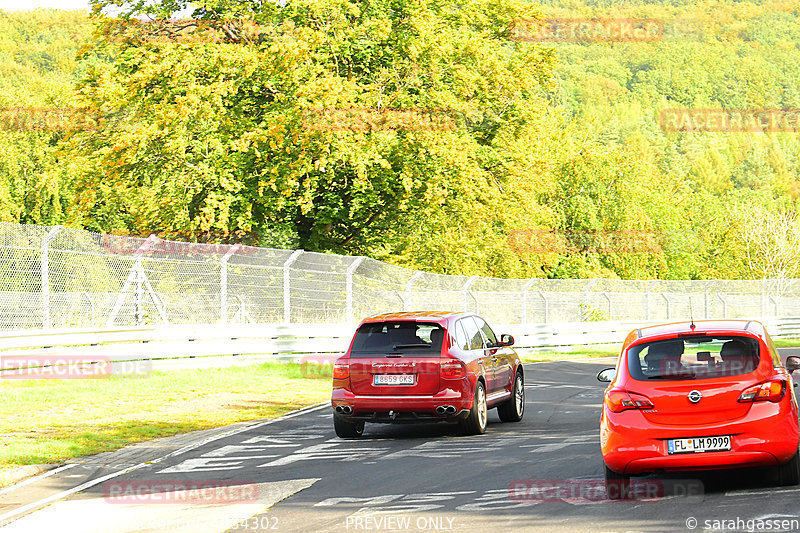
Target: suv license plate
x: 700, y: 444
x: 394, y: 379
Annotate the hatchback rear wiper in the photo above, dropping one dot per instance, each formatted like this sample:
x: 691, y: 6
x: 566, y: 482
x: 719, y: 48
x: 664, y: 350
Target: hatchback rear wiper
x: 401, y: 346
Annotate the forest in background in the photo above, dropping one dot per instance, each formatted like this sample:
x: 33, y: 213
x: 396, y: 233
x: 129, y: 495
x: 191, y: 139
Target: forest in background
x: 553, y: 162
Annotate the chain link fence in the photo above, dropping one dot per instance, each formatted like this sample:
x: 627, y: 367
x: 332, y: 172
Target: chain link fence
x: 56, y: 277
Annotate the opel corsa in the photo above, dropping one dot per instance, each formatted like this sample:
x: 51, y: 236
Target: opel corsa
x: 426, y: 367
x: 698, y: 396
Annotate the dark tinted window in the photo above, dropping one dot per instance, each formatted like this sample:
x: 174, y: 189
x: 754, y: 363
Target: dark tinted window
x: 487, y: 331
x: 411, y: 338
x: 461, y: 337
x: 693, y: 358
x: 473, y: 333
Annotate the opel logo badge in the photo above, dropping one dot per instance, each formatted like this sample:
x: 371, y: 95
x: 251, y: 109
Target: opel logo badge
x: 695, y: 396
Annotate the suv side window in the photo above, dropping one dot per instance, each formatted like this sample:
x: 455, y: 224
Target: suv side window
x: 473, y: 333
x: 460, y: 337
x: 491, y: 338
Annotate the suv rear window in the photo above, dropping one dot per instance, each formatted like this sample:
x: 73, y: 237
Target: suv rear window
x: 693, y: 358
x: 406, y: 338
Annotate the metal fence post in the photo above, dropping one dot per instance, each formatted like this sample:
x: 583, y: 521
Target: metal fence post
x: 647, y: 298
x: 45, y: 275
x: 465, y: 291
x: 610, y: 305
x: 409, y: 295
x: 666, y: 299
x: 349, y: 286
x: 546, y: 307
x: 223, y: 283
x: 525, y: 300
x: 707, y: 302
x: 287, y: 295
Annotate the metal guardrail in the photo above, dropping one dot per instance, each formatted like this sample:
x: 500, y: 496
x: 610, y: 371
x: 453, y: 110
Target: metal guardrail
x: 213, y: 345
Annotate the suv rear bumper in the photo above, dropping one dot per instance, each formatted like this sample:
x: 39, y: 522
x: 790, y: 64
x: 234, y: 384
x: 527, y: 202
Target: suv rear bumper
x: 411, y: 408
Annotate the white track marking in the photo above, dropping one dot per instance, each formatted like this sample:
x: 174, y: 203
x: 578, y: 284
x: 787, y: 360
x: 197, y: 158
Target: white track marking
x: 60, y: 495
x: 37, y: 478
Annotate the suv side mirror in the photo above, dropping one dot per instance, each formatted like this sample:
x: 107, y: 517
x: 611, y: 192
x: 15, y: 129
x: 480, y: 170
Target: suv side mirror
x: 792, y: 363
x: 607, y: 375
x: 506, y: 340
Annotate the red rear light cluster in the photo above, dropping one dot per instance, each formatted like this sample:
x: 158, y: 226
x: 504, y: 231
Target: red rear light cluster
x: 621, y: 400
x: 769, y: 391
x: 341, y: 370
x: 452, y: 370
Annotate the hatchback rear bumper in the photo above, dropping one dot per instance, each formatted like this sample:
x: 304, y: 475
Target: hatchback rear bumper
x: 632, y: 446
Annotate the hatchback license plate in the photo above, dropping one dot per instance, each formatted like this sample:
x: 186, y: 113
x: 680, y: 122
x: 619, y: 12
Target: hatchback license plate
x: 394, y: 379
x: 700, y: 444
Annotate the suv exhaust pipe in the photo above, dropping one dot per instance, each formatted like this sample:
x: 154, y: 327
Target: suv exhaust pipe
x: 446, y: 410
x: 344, y: 409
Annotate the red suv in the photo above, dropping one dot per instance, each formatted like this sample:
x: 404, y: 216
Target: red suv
x: 426, y: 367
x: 702, y: 396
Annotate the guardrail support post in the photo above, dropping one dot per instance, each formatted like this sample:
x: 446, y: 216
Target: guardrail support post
x: 610, y: 305
x: 45, y: 275
x: 349, y: 286
x: 408, y: 299
x: 223, y: 283
x: 465, y: 291
x: 287, y: 295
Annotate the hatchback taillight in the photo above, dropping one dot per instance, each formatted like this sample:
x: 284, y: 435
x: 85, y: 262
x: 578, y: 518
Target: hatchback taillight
x: 341, y: 370
x: 452, y: 370
x: 621, y: 400
x: 769, y: 391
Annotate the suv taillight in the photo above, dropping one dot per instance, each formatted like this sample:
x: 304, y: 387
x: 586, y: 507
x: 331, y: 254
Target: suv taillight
x: 769, y: 391
x: 341, y: 370
x: 452, y: 370
x: 620, y: 400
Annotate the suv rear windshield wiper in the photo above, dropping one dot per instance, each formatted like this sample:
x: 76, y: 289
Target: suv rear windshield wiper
x: 418, y: 345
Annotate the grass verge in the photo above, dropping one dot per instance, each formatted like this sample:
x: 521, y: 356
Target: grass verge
x: 49, y: 421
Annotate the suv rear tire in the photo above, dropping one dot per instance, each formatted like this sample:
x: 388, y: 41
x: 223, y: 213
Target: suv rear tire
x: 513, y: 409
x: 475, y: 423
x: 347, y: 429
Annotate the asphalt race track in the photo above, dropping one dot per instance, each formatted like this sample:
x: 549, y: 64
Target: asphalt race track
x: 294, y: 474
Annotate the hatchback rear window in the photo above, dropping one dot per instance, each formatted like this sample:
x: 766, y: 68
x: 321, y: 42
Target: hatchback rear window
x: 693, y: 358
x: 405, y: 338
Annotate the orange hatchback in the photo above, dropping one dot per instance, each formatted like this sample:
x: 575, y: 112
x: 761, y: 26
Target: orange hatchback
x: 698, y: 396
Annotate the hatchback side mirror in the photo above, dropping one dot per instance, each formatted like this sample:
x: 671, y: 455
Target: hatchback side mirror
x: 506, y: 340
x: 792, y: 363
x: 607, y: 375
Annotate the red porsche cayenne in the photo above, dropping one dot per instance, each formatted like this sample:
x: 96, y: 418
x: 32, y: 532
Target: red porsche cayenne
x: 698, y: 396
x: 426, y: 367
